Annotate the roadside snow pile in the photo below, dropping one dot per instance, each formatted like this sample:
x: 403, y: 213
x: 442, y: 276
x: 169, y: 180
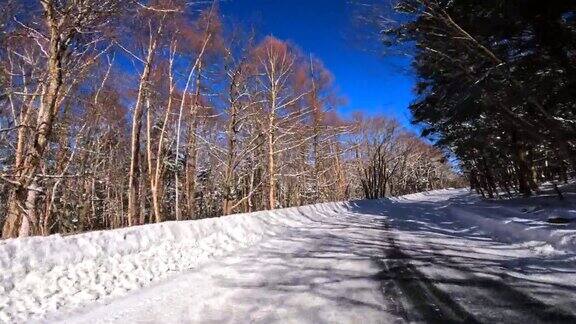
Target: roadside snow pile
x: 433, y: 195
x: 514, y: 226
x: 42, y: 275
x: 518, y: 220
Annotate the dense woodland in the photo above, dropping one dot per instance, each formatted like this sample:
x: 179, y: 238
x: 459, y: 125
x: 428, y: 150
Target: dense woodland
x: 119, y: 112
x: 497, y: 85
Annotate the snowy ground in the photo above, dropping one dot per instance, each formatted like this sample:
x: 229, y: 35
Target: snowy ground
x: 443, y: 256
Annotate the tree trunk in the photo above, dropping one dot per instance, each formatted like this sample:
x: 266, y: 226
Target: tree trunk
x: 22, y: 214
x: 271, y: 167
x: 191, y: 161
x: 523, y: 169
x: 134, y: 172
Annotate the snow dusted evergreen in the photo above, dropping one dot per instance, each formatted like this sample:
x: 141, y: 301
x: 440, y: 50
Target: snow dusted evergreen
x: 495, y: 85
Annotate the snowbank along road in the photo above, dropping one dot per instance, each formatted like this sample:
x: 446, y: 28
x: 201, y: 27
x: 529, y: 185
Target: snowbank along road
x: 437, y: 257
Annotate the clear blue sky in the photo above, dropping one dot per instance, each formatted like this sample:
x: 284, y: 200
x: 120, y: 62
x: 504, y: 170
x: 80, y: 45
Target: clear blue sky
x: 372, y: 83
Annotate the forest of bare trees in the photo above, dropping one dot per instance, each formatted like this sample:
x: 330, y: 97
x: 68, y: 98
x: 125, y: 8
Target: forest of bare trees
x: 118, y: 113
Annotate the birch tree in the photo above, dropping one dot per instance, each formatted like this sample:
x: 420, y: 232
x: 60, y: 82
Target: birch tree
x: 65, y: 49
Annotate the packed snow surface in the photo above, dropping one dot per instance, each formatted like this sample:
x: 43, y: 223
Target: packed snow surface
x: 439, y: 256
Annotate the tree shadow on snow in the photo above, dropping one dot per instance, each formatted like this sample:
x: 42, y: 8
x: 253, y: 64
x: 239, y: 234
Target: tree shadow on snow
x: 409, y: 267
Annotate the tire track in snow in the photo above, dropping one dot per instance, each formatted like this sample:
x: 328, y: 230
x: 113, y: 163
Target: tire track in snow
x: 425, y: 300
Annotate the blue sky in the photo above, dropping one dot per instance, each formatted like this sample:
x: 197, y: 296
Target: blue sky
x: 372, y: 83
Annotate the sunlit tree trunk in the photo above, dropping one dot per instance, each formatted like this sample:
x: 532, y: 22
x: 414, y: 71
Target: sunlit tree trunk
x: 22, y: 217
x: 134, y: 171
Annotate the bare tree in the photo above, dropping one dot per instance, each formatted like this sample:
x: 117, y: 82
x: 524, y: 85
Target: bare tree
x: 64, y: 23
x: 108, y: 122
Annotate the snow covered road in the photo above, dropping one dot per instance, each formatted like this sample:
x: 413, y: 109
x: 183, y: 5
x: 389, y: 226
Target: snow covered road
x: 324, y: 272
x: 434, y: 257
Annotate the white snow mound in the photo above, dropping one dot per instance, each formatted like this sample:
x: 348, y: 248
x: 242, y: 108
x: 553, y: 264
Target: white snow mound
x: 42, y: 275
